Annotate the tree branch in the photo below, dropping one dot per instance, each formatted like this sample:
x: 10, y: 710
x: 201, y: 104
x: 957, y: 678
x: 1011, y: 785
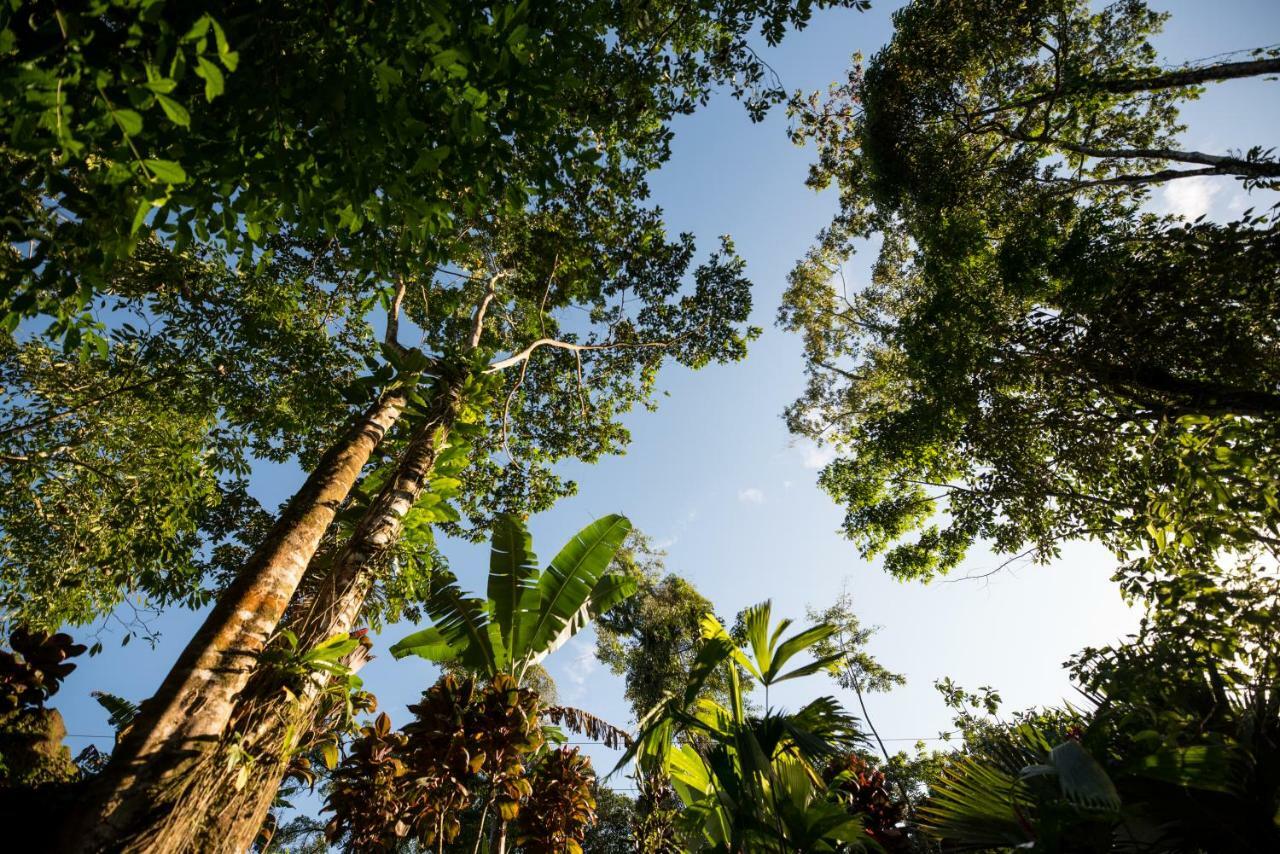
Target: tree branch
x: 393, y: 318
x: 477, y: 321
x: 1139, y: 180
x: 1154, y: 82
x: 523, y: 355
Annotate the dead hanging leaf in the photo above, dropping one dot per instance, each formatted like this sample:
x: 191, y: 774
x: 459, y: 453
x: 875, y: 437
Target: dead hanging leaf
x: 242, y: 777
x: 585, y: 723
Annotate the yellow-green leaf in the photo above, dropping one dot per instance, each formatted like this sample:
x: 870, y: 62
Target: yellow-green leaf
x: 176, y: 112
x: 214, y: 83
x: 167, y: 171
x: 329, y: 752
x: 130, y: 121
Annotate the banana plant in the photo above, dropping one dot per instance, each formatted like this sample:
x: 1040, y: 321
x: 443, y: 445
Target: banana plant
x: 751, y: 782
x: 528, y: 613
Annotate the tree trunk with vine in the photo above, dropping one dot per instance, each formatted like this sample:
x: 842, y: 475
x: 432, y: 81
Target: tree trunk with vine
x: 229, y: 819
x: 178, y: 729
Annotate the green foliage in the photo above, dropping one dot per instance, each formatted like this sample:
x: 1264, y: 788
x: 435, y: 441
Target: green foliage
x: 377, y: 127
x: 655, y: 827
x: 529, y: 614
x: 651, y: 638
x: 751, y: 782
x: 124, y: 472
x: 611, y: 833
x: 854, y: 669
x: 769, y: 654
x: 1175, y: 753
x: 1034, y: 359
x: 492, y: 189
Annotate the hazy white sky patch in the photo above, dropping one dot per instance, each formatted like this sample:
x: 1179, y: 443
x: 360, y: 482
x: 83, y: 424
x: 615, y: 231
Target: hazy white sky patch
x: 1238, y: 203
x: 577, y: 671
x: 814, y: 456
x: 751, y: 495
x: 1189, y: 197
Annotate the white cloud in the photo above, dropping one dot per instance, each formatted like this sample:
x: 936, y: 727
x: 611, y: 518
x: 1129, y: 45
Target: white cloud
x: 1189, y: 198
x: 814, y: 456
x: 751, y: 495
x: 577, y: 671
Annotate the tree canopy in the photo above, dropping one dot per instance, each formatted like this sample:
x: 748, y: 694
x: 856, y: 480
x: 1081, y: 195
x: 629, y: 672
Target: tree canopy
x: 651, y: 638
x: 372, y: 127
x: 1035, y: 357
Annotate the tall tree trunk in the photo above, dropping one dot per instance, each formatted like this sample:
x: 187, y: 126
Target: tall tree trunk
x: 176, y: 730
x: 218, y: 817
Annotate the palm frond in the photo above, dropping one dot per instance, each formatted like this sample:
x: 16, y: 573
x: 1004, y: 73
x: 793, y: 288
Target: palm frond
x: 973, y: 804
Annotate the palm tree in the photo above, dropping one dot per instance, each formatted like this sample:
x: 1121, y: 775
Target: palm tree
x: 751, y: 782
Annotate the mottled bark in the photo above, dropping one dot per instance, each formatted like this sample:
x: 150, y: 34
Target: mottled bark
x: 177, y: 728
x: 222, y: 819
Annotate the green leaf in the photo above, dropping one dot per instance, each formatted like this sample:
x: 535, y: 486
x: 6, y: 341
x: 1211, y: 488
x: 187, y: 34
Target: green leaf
x: 797, y: 644
x: 230, y: 59
x: 130, y: 121
x: 462, y: 624
x: 198, y: 29
x: 167, y: 171
x: 1084, y: 782
x: 430, y: 160
x: 176, y: 112
x: 329, y: 752
x: 214, y: 83
x: 429, y: 643
x: 121, y: 711
x: 512, y: 590
x: 572, y: 575
x: 140, y: 215
x: 161, y: 86
x: 609, y: 591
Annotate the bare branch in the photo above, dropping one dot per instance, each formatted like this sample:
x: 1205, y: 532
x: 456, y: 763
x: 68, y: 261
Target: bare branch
x: 1139, y: 180
x: 1224, y: 164
x: 582, y: 392
x: 523, y: 355
x: 477, y: 320
x: 506, y: 409
x: 393, y: 318
x: 1152, y: 83
x: 542, y: 305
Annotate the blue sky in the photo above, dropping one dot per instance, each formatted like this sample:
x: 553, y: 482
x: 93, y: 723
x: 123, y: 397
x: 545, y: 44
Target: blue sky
x: 716, y: 480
